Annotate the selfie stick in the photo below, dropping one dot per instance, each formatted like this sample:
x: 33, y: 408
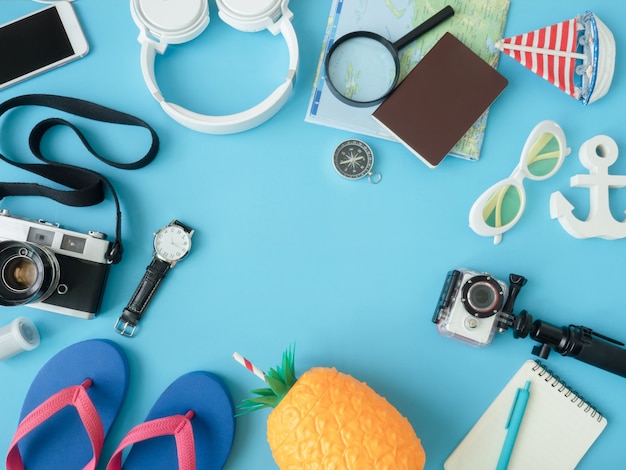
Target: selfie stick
x: 579, y: 342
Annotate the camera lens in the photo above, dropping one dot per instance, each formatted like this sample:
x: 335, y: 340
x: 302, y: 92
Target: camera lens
x: 482, y: 296
x: 19, y: 273
x: 28, y: 273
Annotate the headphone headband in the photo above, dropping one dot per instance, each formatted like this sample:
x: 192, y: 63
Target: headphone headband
x: 191, y: 18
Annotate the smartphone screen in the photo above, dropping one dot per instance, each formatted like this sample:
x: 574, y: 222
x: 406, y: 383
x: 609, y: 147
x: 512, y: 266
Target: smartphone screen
x: 36, y: 43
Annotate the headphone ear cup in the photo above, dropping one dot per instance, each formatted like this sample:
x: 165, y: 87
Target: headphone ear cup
x: 172, y: 22
x: 249, y: 16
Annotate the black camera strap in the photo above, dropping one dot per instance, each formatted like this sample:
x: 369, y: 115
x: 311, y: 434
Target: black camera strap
x: 86, y: 186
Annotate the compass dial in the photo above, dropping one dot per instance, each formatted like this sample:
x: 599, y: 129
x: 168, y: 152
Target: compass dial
x: 353, y: 159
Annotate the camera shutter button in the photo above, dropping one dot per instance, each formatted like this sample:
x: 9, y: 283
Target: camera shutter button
x: 99, y: 235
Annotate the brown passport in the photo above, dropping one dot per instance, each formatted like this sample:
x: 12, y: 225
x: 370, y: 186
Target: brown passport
x: 440, y: 99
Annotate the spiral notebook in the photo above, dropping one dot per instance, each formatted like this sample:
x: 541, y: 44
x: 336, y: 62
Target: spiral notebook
x: 557, y: 429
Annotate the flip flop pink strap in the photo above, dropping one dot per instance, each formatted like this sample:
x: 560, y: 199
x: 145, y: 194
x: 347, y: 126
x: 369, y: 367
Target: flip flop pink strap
x: 178, y: 426
x: 75, y: 396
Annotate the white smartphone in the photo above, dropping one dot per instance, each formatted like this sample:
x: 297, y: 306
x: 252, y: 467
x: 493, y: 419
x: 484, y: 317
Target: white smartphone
x: 39, y: 42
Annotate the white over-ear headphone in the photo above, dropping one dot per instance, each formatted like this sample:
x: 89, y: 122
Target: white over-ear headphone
x: 163, y: 22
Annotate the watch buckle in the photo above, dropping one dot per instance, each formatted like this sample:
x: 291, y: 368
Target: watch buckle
x: 124, y: 328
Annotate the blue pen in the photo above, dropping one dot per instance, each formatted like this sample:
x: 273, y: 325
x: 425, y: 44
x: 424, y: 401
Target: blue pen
x: 513, y: 424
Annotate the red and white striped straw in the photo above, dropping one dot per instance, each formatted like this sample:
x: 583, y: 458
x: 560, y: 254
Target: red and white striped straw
x: 248, y: 365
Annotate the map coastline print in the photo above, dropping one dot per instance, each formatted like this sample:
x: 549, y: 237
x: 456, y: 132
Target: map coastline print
x: 477, y: 23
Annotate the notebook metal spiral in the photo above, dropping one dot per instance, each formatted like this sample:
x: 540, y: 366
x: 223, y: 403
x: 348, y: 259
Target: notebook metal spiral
x: 563, y: 387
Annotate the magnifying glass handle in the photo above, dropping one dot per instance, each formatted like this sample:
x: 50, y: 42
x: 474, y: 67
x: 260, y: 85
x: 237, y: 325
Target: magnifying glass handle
x: 426, y: 26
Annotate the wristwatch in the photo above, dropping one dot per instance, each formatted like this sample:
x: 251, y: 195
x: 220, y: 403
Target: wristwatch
x: 171, y: 244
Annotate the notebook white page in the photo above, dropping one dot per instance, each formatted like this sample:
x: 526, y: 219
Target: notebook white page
x: 557, y: 429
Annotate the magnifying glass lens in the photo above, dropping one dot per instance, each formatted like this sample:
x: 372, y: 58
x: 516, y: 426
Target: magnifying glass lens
x: 361, y: 69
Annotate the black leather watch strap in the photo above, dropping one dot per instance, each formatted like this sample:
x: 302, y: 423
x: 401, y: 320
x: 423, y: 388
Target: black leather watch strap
x: 186, y: 228
x: 155, y: 272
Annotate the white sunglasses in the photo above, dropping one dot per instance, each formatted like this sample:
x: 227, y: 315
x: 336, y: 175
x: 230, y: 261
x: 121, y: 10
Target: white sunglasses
x: 502, y: 205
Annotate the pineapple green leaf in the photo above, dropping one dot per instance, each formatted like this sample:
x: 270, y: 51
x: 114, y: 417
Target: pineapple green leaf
x: 265, y: 392
x: 267, y: 401
x: 288, y: 366
x: 277, y: 385
x: 249, y: 408
x: 274, y: 374
x: 279, y: 379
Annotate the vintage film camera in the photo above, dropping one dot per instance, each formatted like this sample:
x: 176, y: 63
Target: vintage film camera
x: 474, y: 306
x: 47, y: 267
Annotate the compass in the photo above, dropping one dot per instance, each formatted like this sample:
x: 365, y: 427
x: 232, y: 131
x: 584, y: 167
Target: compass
x: 353, y: 159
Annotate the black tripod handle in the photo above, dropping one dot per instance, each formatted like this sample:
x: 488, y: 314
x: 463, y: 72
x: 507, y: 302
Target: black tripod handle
x: 601, y: 353
x: 580, y: 343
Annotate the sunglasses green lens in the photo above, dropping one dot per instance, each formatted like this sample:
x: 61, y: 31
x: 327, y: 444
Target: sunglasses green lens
x: 503, y: 206
x: 544, y: 155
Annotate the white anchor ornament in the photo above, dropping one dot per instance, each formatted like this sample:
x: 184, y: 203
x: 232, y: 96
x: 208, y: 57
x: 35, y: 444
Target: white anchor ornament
x: 597, y: 155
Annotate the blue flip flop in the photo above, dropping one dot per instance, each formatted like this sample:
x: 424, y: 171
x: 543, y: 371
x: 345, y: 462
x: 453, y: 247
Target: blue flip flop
x: 91, y: 377
x: 191, y: 425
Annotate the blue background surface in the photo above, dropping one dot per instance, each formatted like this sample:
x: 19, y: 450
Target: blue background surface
x: 286, y: 251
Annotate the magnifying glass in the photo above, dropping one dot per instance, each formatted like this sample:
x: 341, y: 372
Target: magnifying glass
x: 362, y: 67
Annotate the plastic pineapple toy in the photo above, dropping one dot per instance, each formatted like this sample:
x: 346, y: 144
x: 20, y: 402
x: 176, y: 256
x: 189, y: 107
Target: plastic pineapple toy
x: 329, y: 420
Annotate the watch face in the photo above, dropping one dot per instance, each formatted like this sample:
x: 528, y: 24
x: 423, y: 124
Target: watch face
x: 171, y: 243
x: 353, y: 159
